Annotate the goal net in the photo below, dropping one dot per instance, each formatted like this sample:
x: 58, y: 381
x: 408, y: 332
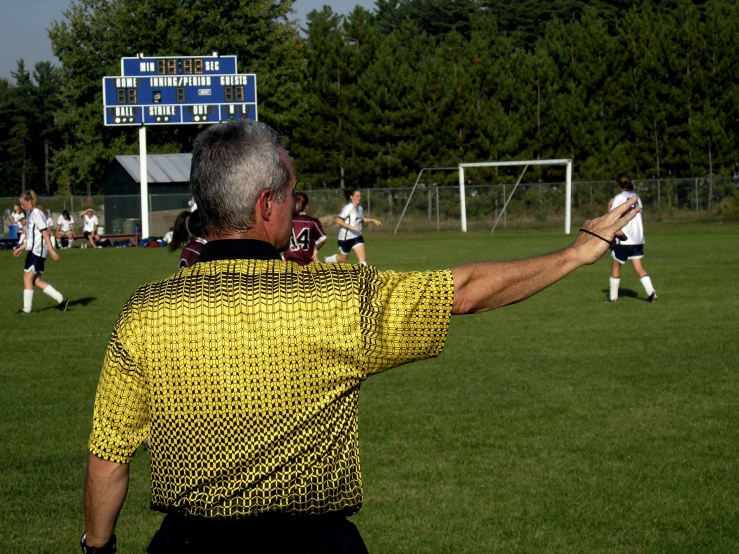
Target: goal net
x: 465, y: 168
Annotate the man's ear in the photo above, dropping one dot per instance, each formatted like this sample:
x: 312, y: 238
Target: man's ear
x: 264, y: 205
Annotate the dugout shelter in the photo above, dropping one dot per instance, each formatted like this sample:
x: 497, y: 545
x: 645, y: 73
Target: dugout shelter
x: 169, y: 188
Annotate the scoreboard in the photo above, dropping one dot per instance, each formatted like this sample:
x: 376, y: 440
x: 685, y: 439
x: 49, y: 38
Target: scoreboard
x: 179, y: 99
x: 179, y: 90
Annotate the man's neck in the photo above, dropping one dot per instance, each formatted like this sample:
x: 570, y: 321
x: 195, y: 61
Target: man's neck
x: 252, y: 234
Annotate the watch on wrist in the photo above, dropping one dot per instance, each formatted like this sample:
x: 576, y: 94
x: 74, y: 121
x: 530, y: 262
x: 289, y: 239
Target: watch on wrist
x: 108, y: 548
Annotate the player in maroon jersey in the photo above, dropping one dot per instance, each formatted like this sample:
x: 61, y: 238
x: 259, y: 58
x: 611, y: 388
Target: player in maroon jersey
x: 307, y: 237
x: 187, y: 234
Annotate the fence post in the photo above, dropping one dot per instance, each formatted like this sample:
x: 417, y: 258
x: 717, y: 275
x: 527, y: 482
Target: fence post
x: 505, y: 212
x: 369, y: 206
x: 438, y: 224
x: 696, y: 197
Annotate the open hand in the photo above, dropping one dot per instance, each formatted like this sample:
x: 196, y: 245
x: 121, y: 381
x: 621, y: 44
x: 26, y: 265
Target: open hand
x: 599, y: 234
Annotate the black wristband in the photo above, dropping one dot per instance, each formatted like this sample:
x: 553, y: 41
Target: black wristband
x: 591, y: 233
x: 109, y: 547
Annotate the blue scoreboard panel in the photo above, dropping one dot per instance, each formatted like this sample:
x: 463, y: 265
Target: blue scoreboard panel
x: 178, y: 65
x: 183, y: 99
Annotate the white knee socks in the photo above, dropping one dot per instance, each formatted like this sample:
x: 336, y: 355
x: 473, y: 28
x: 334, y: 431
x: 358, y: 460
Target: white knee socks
x: 614, y: 288
x: 55, y: 294
x: 27, y: 300
x: 647, y: 284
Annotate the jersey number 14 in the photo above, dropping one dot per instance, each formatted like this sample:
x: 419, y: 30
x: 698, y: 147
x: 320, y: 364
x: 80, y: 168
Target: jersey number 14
x: 301, y: 242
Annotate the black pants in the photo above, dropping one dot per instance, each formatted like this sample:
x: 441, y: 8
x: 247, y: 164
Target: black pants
x: 267, y: 533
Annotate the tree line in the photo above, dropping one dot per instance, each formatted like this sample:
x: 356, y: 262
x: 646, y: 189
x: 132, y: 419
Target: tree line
x: 368, y: 99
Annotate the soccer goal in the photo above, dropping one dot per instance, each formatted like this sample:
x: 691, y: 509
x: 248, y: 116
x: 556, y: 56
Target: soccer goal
x: 525, y: 163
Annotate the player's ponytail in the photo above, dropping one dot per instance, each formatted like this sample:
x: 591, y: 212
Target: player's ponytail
x: 30, y: 196
x: 301, y: 200
x: 187, y: 226
x: 623, y: 181
x: 180, y: 235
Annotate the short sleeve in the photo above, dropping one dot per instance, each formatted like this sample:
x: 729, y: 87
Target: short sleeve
x: 321, y: 235
x: 345, y: 211
x: 121, y: 415
x: 404, y: 316
x: 38, y: 220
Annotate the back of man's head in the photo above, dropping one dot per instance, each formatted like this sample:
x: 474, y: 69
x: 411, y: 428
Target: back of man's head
x: 232, y: 163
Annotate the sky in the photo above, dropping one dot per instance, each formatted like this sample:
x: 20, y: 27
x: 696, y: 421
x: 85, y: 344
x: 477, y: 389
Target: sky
x: 23, y: 25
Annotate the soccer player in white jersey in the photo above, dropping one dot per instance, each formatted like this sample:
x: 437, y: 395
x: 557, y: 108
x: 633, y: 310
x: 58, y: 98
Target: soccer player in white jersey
x: 90, y: 226
x: 350, y: 230
x: 38, y: 246
x: 632, y: 248
x: 65, y: 229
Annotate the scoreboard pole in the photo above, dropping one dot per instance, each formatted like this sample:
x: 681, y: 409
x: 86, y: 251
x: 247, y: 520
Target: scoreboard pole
x: 143, y: 170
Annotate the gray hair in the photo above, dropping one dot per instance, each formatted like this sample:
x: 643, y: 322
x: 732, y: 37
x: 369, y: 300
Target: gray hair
x: 232, y: 163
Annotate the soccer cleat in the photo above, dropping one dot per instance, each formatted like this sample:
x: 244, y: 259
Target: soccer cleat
x: 609, y: 301
x: 63, y: 304
x: 652, y: 297
x: 19, y: 312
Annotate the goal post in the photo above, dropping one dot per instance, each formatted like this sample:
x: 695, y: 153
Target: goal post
x: 526, y: 163
x: 462, y: 201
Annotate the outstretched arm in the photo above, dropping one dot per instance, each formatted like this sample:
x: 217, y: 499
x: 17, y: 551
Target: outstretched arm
x: 106, y: 485
x: 483, y: 286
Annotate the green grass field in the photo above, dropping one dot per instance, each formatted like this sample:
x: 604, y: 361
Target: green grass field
x: 561, y: 424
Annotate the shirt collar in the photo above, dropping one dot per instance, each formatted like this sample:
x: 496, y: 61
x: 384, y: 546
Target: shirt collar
x: 238, y: 249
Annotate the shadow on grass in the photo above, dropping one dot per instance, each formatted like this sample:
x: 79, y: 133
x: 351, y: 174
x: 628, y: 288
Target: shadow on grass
x: 624, y: 293
x: 76, y: 302
x: 81, y: 301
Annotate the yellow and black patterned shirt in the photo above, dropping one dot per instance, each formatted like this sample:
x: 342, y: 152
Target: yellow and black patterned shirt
x: 245, y: 372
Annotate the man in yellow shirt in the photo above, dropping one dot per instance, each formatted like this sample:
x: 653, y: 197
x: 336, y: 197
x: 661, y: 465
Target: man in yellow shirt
x: 245, y: 370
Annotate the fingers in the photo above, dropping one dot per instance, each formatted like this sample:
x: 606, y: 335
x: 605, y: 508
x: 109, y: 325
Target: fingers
x: 627, y: 211
x: 610, y: 224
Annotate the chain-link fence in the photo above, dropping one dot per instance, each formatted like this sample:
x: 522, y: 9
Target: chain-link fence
x: 536, y: 205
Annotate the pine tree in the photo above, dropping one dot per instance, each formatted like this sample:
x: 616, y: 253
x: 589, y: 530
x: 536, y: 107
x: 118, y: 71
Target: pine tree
x: 22, y: 127
x: 319, y: 155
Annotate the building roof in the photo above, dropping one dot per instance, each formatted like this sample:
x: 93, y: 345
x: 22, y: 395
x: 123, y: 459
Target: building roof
x: 160, y: 168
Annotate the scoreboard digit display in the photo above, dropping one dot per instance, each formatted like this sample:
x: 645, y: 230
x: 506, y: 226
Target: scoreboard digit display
x: 186, y: 99
x: 178, y: 65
